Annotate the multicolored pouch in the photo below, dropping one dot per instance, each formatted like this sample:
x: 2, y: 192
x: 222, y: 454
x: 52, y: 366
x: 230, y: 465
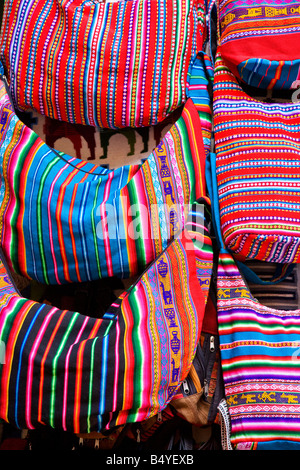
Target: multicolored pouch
x: 63, y: 219
x: 256, y: 172
x: 260, y: 350
x: 259, y: 41
x: 109, y: 64
x: 83, y: 374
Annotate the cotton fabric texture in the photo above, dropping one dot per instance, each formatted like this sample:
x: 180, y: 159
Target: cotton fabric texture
x: 259, y: 41
x: 66, y: 220
x: 104, y: 64
x: 257, y: 160
x: 260, y: 362
x: 83, y: 374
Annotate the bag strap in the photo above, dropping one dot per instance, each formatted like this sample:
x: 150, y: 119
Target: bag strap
x: 282, y: 270
x: 210, y: 23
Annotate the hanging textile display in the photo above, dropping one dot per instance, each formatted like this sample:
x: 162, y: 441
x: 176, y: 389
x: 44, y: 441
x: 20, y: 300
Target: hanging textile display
x: 260, y: 361
x: 83, y: 374
x: 257, y: 172
x: 259, y: 41
x: 103, y: 64
x: 66, y: 220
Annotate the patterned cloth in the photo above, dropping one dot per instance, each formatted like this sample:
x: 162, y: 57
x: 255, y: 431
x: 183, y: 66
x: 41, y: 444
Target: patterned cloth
x: 257, y: 149
x: 105, y: 64
x: 67, y: 220
x: 260, y: 360
x: 259, y: 41
x: 200, y: 80
x: 84, y: 374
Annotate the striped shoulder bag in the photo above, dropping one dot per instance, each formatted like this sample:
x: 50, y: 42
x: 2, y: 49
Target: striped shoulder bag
x: 108, y: 64
x: 259, y: 41
x: 260, y: 357
x: 64, y: 220
x: 255, y: 172
x: 86, y: 374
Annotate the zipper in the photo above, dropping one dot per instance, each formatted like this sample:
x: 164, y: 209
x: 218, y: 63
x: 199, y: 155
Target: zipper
x: 185, y: 387
x: 212, y: 350
x: 205, y: 388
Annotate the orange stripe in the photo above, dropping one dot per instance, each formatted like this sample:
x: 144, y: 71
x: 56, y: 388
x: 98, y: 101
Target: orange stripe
x: 277, y: 75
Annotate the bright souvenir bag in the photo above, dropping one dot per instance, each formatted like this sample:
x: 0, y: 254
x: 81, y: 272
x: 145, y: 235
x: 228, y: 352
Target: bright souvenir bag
x: 109, y: 64
x: 259, y: 41
x: 256, y: 172
x: 86, y: 374
x: 260, y: 357
x: 260, y: 349
x: 63, y: 219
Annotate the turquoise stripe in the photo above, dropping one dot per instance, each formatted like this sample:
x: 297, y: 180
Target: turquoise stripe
x: 82, y: 230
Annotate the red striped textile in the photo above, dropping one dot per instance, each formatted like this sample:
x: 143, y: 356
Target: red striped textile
x: 105, y: 64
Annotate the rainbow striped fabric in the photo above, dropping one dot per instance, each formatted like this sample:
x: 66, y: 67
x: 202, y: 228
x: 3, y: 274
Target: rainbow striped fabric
x: 257, y: 147
x: 106, y: 64
x: 260, y: 351
x: 83, y: 374
x: 66, y: 220
x: 259, y: 41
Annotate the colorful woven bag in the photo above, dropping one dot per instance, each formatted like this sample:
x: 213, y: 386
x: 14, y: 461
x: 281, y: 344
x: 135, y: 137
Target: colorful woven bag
x: 66, y: 220
x: 107, y: 64
x: 255, y: 172
x: 261, y: 368
x: 259, y: 41
x: 84, y: 374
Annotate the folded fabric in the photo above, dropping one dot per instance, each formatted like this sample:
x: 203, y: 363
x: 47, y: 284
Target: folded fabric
x: 66, y: 220
x: 260, y: 361
x: 107, y: 64
x: 84, y: 374
x: 257, y: 172
x: 259, y: 41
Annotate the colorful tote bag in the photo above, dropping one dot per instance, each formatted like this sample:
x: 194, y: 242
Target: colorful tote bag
x: 261, y: 369
x: 110, y: 64
x: 256, y: 172
x: 259, y: 41
x: 84, y: 374
x: 66, y: 220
